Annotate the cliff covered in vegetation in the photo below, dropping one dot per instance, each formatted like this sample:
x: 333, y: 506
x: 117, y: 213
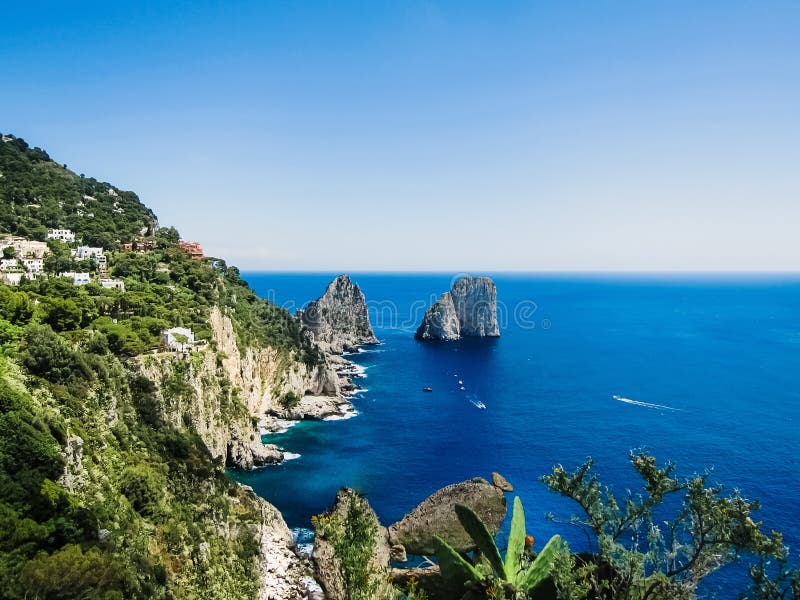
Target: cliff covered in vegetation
x: 114, y: 439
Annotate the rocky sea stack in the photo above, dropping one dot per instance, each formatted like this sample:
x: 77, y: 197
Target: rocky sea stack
x: 338, y: 320
x: 469, y: 309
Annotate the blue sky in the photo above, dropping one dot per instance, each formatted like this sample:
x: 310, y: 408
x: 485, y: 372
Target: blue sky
x: 430, y: 135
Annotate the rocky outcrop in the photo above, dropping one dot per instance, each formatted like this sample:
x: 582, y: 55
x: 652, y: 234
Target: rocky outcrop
x: 501, y: 483
x: 326, y: 563
x: 73, y: 476
x: 194, y: 391
x: 436, y: 516
x: 469, y: 309
x: 440, y: 321
x: 264, y: 375
x: 338, y: 321
x: 283, y: 575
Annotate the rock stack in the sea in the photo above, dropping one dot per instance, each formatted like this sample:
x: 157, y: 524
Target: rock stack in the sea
x: 469, y: 309
x: 338, y: 320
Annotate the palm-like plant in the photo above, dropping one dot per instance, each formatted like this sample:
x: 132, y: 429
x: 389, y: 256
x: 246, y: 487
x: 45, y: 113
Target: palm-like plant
x: 513, y: 577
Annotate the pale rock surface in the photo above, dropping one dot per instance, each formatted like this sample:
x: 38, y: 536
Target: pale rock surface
x: 338, y: 321
x: 469, y: 309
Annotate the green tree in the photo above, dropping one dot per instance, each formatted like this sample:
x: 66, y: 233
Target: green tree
x: 640, y: 552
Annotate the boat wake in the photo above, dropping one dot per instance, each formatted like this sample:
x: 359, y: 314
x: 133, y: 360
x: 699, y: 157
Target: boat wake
x: 644, y: 404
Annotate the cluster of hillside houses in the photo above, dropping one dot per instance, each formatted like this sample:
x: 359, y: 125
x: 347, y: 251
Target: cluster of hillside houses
x: 24, y: 258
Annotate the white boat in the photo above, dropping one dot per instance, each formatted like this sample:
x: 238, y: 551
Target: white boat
x: 478, y: 404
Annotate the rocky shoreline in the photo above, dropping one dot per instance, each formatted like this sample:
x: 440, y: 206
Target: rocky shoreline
x: 337, y: 323
x: 312, y: 407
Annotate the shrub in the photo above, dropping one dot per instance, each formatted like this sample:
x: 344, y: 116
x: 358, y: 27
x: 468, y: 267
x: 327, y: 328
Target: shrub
x: 143, y: 487
x: 289, y: 400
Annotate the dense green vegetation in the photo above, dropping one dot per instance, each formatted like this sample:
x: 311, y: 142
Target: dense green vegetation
x: 100, y: 495
x: 37, y: 194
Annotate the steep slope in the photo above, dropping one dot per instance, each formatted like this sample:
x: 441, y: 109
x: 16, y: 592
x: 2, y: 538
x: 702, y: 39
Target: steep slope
x: 338, y: 321
x: 37, y: 193
x: 469, y: 309
x: 113, y: 448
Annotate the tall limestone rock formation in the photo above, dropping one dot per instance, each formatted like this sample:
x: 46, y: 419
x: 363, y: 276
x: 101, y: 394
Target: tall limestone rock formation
x: 339, y: 321
x: 469, y: 309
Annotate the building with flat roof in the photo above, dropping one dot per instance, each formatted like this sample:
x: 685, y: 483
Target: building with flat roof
x: 65, y: 235
x: 178, y: 339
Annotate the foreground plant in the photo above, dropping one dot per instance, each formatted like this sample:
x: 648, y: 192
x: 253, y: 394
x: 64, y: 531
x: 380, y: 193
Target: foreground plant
x: 489, y: 575
x: 640, y: 554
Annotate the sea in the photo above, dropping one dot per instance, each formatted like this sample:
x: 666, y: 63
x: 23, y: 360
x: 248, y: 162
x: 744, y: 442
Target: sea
x: 701, y: 370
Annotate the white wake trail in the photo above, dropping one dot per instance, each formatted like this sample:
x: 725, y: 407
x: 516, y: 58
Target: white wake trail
x: 644, y: 404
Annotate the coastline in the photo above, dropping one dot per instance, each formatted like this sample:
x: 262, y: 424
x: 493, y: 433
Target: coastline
x: 311, y: 407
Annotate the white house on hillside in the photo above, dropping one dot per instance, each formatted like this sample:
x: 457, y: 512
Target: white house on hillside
x: 88, y: 252
x: 77, y: 278
x: 12, y: 278
x: 7, y: 264
x: 65, y: 235
x: 33, y: 265
x: 112, y: 284
x: 178, y: 339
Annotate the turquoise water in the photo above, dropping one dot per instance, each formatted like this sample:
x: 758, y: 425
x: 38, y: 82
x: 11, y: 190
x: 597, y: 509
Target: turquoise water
x: 719, y: 355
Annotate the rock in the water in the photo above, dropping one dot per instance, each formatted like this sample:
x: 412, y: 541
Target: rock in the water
x: 326, y: 564
x: 437, y: 516
x: 248, y: 454
x: 501, y: 482
x: 469, y: 309
x: 441, y: 321
x: 338, y: 321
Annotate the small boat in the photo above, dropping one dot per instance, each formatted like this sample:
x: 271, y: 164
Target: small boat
x: 427, y: 389
x: 463, y: 388
x: 460, y: 382
x: 478, y: 404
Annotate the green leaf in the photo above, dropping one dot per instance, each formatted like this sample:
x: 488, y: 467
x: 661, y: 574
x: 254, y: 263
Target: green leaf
x: 542, y: 565
x: 455, y: 571
x: 516, y: 541
x: 482, y: 538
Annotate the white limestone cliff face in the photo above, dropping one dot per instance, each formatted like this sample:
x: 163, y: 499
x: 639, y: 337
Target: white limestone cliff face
x: 193, y: 390
x: 440, y: 321
x: 264, y: 375
x: 469, y: 309
x: 339, y: 320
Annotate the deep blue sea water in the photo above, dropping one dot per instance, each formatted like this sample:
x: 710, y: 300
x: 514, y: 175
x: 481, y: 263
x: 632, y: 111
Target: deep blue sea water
x: 722, y: 352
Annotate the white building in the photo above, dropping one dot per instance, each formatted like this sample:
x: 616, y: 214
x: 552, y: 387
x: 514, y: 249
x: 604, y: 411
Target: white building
x: 84, y: 252
x: 33, y: 265
x: 178, y: 339
x: 8, y: 264
x: 65, y: 235
x: 112, y: 284
x: 77, y: 278
x: 12, y: 278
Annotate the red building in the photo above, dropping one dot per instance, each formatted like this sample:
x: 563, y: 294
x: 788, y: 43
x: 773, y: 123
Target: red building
x: 193, y: 248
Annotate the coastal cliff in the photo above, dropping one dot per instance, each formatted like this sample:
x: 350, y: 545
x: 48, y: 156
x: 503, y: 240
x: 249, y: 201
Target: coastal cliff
x: 114, y: 438
x: 338, y: 321
x: 469, y: 309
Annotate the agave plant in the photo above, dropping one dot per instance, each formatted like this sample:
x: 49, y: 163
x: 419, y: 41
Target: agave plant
x: 516, y: 575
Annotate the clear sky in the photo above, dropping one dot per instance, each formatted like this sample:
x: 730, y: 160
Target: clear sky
x: 429, y: 135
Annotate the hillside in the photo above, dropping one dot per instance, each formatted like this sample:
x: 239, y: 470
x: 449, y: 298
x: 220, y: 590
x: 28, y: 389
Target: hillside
x: 113, y: 445
x: 37, y: 193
